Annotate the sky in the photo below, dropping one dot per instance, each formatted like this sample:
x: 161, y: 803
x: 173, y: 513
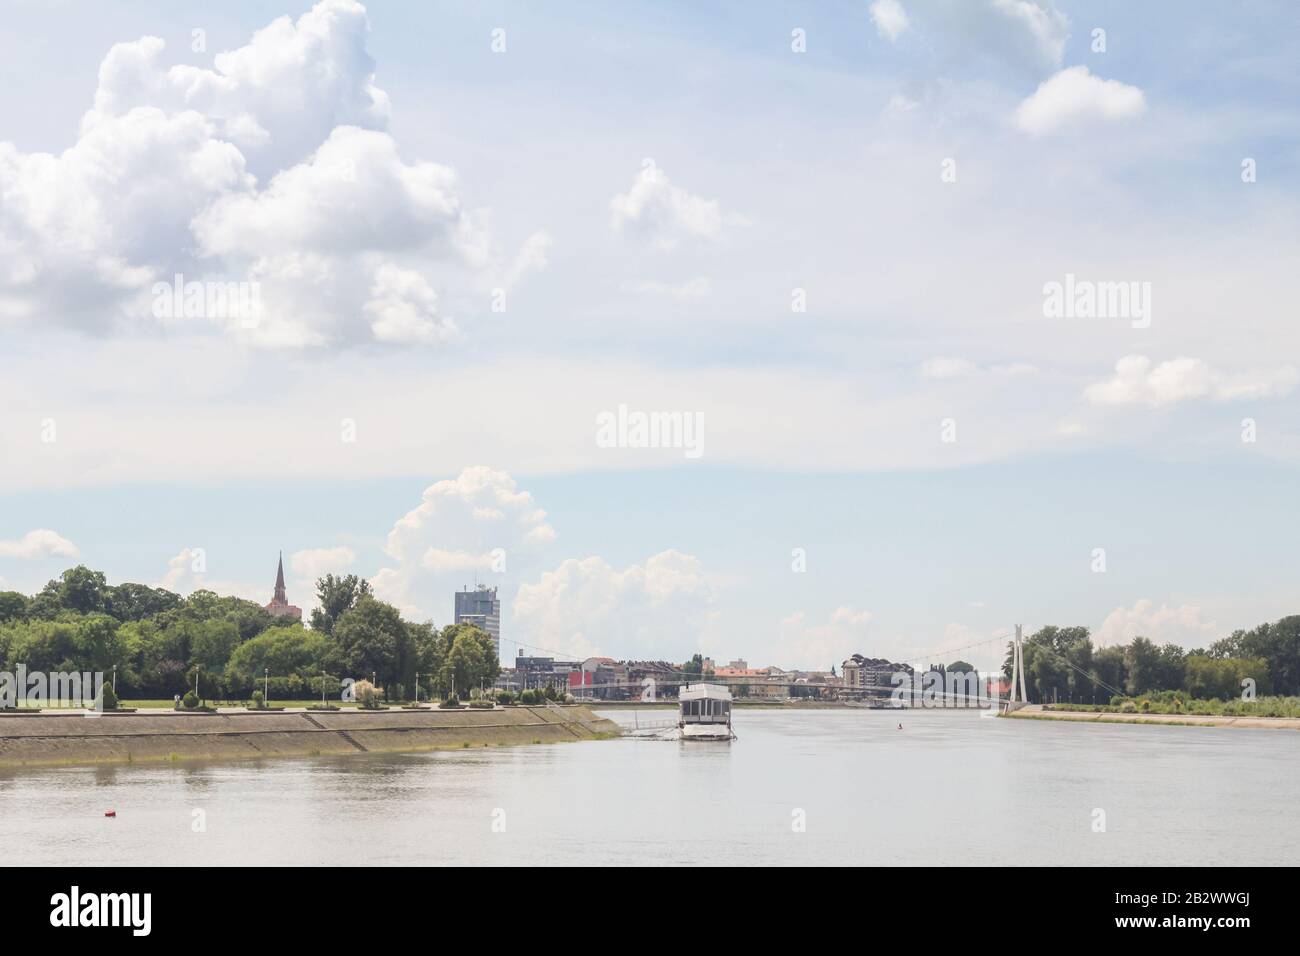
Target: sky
x: 966, y: 314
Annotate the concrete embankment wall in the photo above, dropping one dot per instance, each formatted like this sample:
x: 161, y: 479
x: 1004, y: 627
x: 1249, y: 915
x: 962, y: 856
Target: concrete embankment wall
x: 45, y: 739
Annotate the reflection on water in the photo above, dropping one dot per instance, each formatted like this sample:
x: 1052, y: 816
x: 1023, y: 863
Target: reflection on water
x: 947, y: 788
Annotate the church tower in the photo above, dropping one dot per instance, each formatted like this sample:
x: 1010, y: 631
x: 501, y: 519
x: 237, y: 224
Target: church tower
x: 280, y: 606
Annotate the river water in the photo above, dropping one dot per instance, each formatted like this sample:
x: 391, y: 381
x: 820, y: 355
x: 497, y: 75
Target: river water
x: 830, y: 786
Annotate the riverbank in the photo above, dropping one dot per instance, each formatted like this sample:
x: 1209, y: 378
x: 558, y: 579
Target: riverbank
x: 757, y: 703
x: 1036, y: 712
x: 49, y: 739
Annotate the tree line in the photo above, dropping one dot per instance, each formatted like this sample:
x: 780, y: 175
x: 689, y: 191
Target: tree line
x: 1061, y: 664
x: 161, y: 642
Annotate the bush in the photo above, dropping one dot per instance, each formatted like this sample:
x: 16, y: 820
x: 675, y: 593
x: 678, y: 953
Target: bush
x: 259, y: 700
x: 108, y: 697
x: 190, y: 700
x: 505, y: 697
x: 450, y: 701
x: 366, y: 694
x: 481, y: 703
x: 1128, y: 707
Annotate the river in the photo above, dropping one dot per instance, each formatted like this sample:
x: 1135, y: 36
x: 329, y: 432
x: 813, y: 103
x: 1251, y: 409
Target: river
x: 805, y: 786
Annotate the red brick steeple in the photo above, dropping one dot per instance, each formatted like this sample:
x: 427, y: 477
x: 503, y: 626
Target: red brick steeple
x: 280, y: 596
x: 280, y: 606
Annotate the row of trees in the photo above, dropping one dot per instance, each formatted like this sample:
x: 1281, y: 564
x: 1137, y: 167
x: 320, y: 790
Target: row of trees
x: 160, y: 642
x: 1061, y: 664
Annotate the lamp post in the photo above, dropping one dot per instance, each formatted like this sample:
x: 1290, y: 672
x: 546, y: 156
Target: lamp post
x: 114, y: 680
x: 266, y: 685
x: 417, y: 688
x: 322, y: 688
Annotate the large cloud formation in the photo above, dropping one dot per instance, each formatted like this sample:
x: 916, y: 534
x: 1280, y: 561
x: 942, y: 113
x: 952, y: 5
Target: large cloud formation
x: 478, y: 523
x: 586, y: 606
x: 274, y: 169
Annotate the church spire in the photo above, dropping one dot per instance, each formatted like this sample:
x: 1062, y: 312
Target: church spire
x: 280, y: 596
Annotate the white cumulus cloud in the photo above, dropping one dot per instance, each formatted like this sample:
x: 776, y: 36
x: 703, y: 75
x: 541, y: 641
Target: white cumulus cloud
x: 1139, y: 381
x: 188, y: 572
x: 1075, y: 95
x: 665, y: 213
x: 38, y: 544
x: 807, y: 645
x: 1046, y: 29
x: 273, y: 169
x: 479, y: 521
x: 1184, y: 625
x: 659, y: 609
x: 890, y: 18
x: 403, y: 308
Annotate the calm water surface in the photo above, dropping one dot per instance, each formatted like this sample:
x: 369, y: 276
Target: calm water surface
x: 948, y: 788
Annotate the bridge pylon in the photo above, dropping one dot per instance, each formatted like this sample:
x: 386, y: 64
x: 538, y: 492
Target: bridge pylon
x: 1018, y: 686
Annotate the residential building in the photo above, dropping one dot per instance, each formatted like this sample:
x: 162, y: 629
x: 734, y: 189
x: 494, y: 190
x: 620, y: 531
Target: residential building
x: 870, y: 677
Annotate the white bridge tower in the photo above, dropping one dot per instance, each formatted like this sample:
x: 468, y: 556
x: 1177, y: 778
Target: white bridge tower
x: 1019, y: 692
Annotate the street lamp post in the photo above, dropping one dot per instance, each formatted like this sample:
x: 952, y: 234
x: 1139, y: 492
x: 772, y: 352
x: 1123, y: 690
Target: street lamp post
x: 114, y: 680
x: 322, y: 688
x: 266, y: 685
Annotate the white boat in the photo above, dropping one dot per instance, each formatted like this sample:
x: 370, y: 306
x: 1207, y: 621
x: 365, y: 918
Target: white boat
x: 704, y: 712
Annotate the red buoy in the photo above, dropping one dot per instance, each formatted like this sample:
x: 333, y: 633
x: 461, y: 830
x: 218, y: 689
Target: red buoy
x: 110, y: 813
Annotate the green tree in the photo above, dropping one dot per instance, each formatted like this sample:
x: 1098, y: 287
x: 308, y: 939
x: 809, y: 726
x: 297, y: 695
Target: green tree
x: 135, y: 602
x: 336, y: 596
x: 463, y: 663
x: 370, y: 637
x: 1278, y: 643
x: 1142, y: 667
x: 13, y: 606
x: 285, y: 651
x: 1108, y: 673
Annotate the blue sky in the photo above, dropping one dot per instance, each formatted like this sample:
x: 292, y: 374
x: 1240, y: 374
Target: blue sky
x: 647, y: 189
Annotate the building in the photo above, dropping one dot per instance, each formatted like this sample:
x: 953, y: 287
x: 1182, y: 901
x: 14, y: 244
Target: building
x: 280, y: 606
x: 649, y: 680
x: 538, y: 673
x: 870, y: 677
x: 481, y: 608
x: 601, y: 678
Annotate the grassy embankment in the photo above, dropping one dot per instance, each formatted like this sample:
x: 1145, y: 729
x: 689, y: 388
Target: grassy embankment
x: 1173, y: 703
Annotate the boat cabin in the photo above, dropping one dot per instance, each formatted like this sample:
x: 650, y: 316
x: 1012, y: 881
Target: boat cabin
x: 704, y: 711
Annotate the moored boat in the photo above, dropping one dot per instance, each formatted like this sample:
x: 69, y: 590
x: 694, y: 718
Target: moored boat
x: 704, y: 712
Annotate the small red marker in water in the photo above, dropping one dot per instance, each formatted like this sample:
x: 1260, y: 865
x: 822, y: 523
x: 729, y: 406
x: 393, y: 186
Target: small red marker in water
x: 110, y: 813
